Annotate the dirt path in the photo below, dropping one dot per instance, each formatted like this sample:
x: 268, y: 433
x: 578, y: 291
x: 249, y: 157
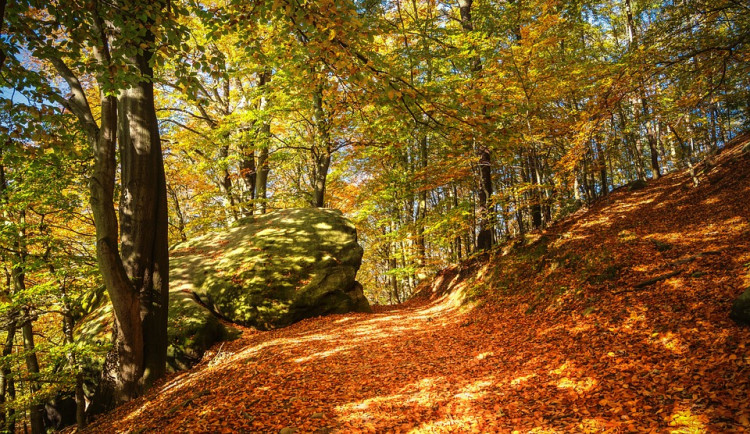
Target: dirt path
x: 569, y: 339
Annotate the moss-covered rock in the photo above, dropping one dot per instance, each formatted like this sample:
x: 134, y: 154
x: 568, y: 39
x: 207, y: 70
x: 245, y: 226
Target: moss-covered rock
x: 192, y: 329
x: 274, y: 269
x: 741, y: 308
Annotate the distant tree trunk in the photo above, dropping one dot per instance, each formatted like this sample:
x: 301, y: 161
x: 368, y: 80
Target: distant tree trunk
x: 178, y: 212
x: 2, y: 22
x: 263, y: 168
x: 261, y: 180
x: 537, y: 219
x: 644, y: 104
x: 421, y: 214
x: 248, y: 174
x: 602, y: 166
x: 36, y: 410
x: 459, y: 253
x: 225, y: 182
x: 7, y: 416
x: 321, y: 153
x: 484, y: 235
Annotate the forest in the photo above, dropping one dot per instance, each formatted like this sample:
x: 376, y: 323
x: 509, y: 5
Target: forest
x: 441, y: 129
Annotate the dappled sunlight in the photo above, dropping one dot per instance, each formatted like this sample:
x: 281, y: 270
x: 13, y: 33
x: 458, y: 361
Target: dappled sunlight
x: 687, y: 422
x: 520, y: 380
x: 578, y: 337
x: 579, y: 386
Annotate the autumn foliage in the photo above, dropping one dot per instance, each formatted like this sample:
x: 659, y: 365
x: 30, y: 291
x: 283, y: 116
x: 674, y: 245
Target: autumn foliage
x: 561, y: 333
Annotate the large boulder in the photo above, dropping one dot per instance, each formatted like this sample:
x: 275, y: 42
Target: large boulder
x: 274, y: 269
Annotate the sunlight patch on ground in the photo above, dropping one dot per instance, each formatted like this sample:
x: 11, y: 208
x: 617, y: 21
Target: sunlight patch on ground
x: 579, y: 386
x: 519, y: 380
x: 482, y: 356
x: 323, y: 354
x: 685, y: 421
x: 474, y: 391
x: 449, y: 424
x: 669, y: 341
x: 636, y: 318
x: 564, y: 367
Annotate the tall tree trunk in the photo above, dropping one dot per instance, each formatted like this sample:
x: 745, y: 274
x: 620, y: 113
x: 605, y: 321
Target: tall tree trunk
x: 143, y: 216
x: 321, y: 149
x: 137, y: 280
x: 602, y: 166
x: 7, y: 415
x: 484, y: 235
x: 178, y: 211
x: 642, y: 94
x: 36, y: 409
x: 264, y: 135
x: 420, y: 244
x: 123, y: 368
x: 2, y: 22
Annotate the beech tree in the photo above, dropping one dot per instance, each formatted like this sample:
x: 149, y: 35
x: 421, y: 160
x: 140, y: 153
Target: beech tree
x: 115, y: 43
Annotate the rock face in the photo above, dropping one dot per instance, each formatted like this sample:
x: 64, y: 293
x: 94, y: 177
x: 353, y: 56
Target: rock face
x: 274, y: 269
x: 741, y: 308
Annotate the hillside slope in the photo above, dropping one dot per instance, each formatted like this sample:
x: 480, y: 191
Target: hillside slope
x: 616, y: 319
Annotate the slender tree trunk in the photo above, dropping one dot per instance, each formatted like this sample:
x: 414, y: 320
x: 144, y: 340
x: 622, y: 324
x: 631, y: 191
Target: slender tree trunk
x: 652, y: 145
x: 2, y: 22
x: 225, y: 182
x: 602, y: 166
x: 484, y: 239
x: 80, y: 398
x: 263, y: 168
x: 36, y: 410
x: 6, y: 381
x: 420, y: 243
x: 178, y: 212
x: 321, y: 150
x: 249, y: 175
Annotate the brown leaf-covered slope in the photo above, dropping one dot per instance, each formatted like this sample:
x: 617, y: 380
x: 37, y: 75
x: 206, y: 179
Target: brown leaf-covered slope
x: 567, y: 335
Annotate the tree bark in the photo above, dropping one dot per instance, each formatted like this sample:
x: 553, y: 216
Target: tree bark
x: 143, y: 217
x: 263, y: 168
x: 6, y: 381
x: 321, y: 150
x: 484, y: 239
x: 36, y: 409
x: 2, y: 22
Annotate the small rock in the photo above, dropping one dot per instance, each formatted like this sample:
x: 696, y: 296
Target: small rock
x: 741, y: 308
x: 317, y: 416
x: 637, y: 185
x: 288, y: 430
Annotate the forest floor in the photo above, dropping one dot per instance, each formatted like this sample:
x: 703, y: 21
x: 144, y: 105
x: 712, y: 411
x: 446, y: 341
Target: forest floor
x: 562, y: 333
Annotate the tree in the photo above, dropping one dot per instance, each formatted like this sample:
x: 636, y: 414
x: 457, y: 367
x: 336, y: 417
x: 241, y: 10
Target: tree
x: 132, y: 252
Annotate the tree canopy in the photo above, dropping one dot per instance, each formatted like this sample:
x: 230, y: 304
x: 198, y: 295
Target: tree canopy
x: 440, y: 128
